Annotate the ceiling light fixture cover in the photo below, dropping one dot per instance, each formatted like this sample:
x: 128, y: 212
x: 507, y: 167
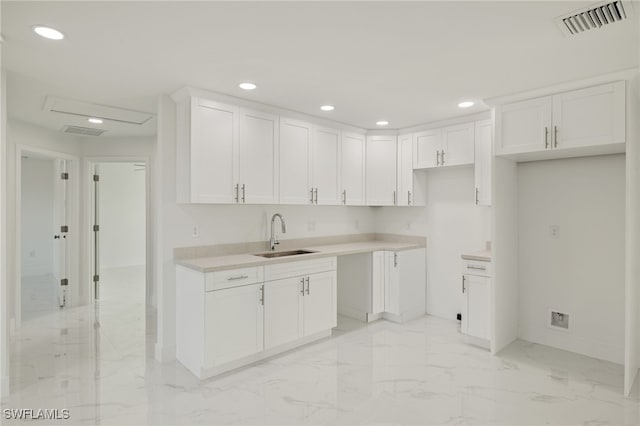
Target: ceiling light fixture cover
x: 247, y: 85
x: 465, y: 104
x: 48, y: 32
x: 95, y: 121
x: 327, y: 107
x: 382, y: 123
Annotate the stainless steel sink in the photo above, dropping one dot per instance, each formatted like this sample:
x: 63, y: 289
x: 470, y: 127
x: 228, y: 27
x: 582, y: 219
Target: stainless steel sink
x: 272, y: 254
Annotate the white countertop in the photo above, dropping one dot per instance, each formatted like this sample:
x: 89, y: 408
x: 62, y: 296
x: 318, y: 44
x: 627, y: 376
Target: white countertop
x: 482, y: 255
x: 234, y: 261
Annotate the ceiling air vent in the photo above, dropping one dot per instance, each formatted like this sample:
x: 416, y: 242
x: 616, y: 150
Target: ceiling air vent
x: 594, y: 17
x: 84, y: 131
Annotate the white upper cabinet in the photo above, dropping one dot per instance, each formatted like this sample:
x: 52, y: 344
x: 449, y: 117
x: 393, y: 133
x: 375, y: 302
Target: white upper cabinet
x: 579, y: 122
x: 410, y: 184
x: 381, y: 171
x: 483, y: 160
x: 258, y: 157
x: 352, y: 169
x: 426, y: 150
x: 206, y: 170
x: 591, y: 116
x: 457, y: 145
x: 325, y: 166
x: 523, y: 126
x: 295, y: 162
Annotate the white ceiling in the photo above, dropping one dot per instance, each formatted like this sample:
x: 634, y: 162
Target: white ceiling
x: 409, y: 63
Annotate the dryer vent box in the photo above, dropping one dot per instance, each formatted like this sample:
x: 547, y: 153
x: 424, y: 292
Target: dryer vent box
x: 559, y: 320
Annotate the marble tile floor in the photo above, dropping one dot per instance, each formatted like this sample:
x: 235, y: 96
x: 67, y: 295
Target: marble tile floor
x: 418, y: 373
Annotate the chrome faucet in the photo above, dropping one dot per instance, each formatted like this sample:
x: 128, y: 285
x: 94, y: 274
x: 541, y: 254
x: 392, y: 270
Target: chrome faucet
x: 274, y: 240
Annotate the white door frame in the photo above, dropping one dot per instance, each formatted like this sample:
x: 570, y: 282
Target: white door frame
x: 87, y: 255
x: 73, y: 290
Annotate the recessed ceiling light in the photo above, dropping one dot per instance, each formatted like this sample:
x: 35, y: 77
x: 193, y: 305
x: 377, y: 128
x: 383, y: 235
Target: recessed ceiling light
x: 327, y: 107
x: 47, y: 32
x: 247, y: 86
x: 465, y: 104
x: 95, y: 121
x: 382, y: 123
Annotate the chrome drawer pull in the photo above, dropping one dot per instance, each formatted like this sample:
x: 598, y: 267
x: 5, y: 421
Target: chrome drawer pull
x: 237, y: 277
x: 480, y: 268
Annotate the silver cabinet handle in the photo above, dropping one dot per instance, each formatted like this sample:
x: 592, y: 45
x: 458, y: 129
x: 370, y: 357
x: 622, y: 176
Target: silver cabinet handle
x: 244, y: 189
x: 237, y: 192
x: 442, y: 157
x: 302, y: 289
x: 237, y: 277
x: 546, y: 137
x: 395, y: 260
x: 555, y: 136
x: 311, y: 195
x: 477, y: 190
x: 316, y: 191
x: 463, y: 289
x: 308, y: 287
x: 479, y: 268
x: 395, y: 201
x: 262, y: 295
x: 438, y: 158
x: 344, y: 197
x: 408, y: 198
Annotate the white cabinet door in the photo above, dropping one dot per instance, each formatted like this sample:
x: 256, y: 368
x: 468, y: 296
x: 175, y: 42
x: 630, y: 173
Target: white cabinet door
x: 405, y: 170
x: 352, y: 169
x: 258, y: 152
x: 233, y: 324
x: 214, y: 135
x: 457, y: 145
x: 483, y: 160
x: 295, y: 162
x: 378, y: 266
x: 475, y: 312
x: 523, y: 126
x: 325, y: 166
x: 591, y: 116
x: 392, y: 283
x: 381, y: 171
x: 320, y: 306
x: 282, y: 311
x: 426, y: 152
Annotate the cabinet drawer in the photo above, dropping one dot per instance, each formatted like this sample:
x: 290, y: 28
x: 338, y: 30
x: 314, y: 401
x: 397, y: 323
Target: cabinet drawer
x: 299, y: 268
x: 233, y: 278
x: 477, y: 267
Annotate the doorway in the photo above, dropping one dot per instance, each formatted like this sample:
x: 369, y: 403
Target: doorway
x: 45, y: 233
x: 119, y: 246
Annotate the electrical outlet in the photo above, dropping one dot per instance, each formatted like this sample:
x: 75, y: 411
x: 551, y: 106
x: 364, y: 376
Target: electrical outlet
x: 195, y: 232
x: 554, y: 231
x: 32, y: 253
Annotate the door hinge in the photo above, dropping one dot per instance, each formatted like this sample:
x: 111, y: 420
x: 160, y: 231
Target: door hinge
x: 64, y: 228
x: 96, y: 278
x: 96, y: 228
x: 64, y: 176
x: 96, y: 178
x: 64, y: 282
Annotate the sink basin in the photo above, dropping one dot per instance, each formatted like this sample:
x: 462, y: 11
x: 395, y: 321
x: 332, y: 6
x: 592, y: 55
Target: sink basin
x: 272, y: 254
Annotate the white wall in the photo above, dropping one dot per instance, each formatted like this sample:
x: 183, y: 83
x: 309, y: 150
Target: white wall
x: 454, y: 224
x: 122, y: 215
x: 582, y: 271
x: 37, y: 216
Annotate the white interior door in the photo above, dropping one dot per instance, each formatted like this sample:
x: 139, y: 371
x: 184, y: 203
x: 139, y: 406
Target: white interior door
x: 61, y: 231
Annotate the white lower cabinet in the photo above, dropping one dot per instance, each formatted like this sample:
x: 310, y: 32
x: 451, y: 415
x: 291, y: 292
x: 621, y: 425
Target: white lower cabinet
x: 233, y: 324
x: 476, y: 301
x: 228, y: 319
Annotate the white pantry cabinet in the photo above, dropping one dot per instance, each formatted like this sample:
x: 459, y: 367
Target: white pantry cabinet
x: 325, y: 166
x: 563, y: 123
x: 381, y: 171
x: 352, y: 169
x: 258, y: 153
x: 447, y: 146
x: 483, y: 160
x: 411, y: 185
x: 295, y: 162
